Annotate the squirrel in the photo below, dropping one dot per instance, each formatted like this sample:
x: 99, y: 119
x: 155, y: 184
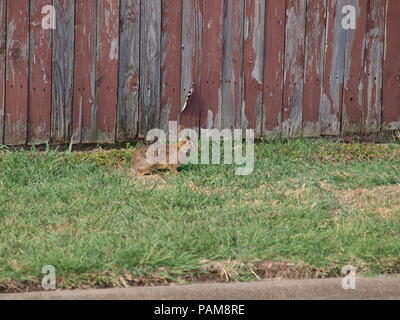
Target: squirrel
x: 142, y: 165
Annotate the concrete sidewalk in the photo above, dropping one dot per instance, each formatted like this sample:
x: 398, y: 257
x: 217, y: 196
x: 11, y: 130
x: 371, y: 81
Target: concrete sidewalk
x: 377, y: 288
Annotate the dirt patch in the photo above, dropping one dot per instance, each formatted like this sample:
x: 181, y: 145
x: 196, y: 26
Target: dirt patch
x: 211, y: 271
x: 384, y: 200
x: 233, y: 270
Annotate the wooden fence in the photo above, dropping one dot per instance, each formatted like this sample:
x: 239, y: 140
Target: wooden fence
x: 113, y: 69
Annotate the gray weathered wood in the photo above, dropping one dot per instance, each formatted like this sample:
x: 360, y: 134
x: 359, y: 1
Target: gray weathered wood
x: 3, y: 31
x: 314, y: 66
x: 150, y: 60
x: 171, y: 63
x: 232, y: 84
x: 129, y: 66
x: 294, y: 69
x: 192, y: 38
x: 63, y: 66
x: 372, y: 107
x: 330, y: 112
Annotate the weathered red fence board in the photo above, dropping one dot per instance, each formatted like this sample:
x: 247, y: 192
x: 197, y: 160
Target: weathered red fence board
x: 107, y: 69
x: 212, y: 59
x: 232, y: 79
x: 39, y: 121
x: 17, y: 73
x: 3, y: 46
x: 129, y: 66
x: 171, y: 61
x: 391, y: 83
x: 84, y: 105
x: 314, y: 66
x: 354, y: 71
x: 253, y: 64
x: 114, y: 69
x: 274, y: 53
x: 373, y: 71
x: 294, y: 69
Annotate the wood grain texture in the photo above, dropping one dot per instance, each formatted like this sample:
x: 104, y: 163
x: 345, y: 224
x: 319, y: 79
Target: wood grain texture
x: 232, y: 83
x: 354, y: 71
x: 3, y: 53
x: 212, y: 58
x: 39, y: 120
x: 115, y: 69
x: 332, y: 95
x: 391, y: 78
x: 150, y: 59
x: 253, y: 65
x: 107, y: 70
x: 129, y: 68
x: 84, y: 105
x: 294, y: 69
x: 16, y: 108
x: 314, y: 66
x: 171, y: 62
x: 63, y: 66
x: 373, y: 75
x: 274, y: 57
x: 192, y: 38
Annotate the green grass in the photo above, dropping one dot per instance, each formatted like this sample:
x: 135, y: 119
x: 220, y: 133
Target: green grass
x: 83, y: 214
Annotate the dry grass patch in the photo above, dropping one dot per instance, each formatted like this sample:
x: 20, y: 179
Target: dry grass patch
x: 384, y: 200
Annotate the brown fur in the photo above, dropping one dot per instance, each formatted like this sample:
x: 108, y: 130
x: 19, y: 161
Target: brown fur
x: 140, y: 166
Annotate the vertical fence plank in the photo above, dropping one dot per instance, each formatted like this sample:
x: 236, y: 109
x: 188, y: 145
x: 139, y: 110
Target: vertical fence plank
x: 150, y: 63
x: 374, y: 42
x: 16, y: 108
x: 84, y: 106
x: 232, y: 80
x: 210, y: 114
x: 354, y: 71
x: 39, y: 121
x: 3, y: 46
x: 253, y: 64
x: 330, y: 112
x: 192, y: 32
x: 391, y: 82
x: 171, y: 62
x: 129, y: 66
x: 294, y: 69
x: 107, y: 70
x: 314, y: 66
x: 275, y: 24
x: 63, y: 66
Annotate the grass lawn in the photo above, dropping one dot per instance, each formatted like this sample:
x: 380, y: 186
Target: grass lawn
x: 310, y: 208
